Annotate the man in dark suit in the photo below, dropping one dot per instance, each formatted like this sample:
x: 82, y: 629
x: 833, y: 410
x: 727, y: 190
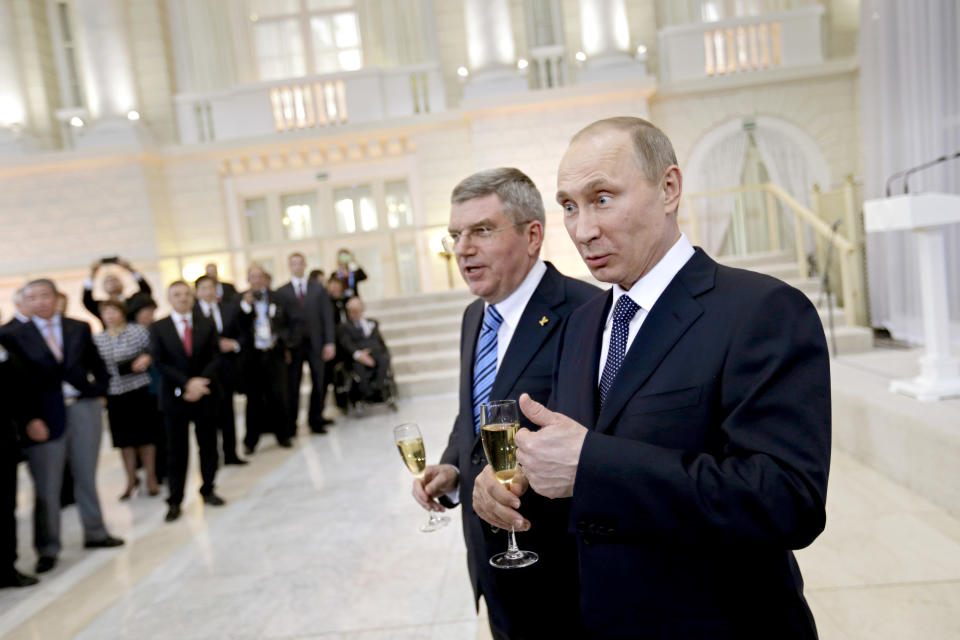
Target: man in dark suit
x: 507, y: 342
x: 20, y: 419
x: 185, y: 350
x: 111, y: 284
x: 73, y: 381
x: 226, y: 292
x: 263, y: 334
x: 225, y: 317
x: 311, y: 337
x: 691, y: 414
x: 349, y: 272
x: 362, y: 345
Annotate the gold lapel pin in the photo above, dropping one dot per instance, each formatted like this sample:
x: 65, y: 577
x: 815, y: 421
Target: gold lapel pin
x: 544, y: 320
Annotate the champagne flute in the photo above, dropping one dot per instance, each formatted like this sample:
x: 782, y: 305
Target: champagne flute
x: 410, y: 445
x: 499, y: 424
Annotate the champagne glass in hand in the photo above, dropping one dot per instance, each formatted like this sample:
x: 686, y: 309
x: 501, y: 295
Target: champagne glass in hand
x: 499, y: 423
x: 410, y: 444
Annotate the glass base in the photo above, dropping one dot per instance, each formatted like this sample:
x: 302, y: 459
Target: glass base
x: 514, y: 559
x: 435, y: 523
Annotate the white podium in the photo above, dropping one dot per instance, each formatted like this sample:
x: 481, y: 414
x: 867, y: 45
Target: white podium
x: 925, y: 214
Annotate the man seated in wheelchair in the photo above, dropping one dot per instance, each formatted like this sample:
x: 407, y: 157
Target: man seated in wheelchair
x: 364, y: 352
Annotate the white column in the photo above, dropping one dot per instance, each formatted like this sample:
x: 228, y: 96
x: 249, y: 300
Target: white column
x: 13, y: 108
x: 107, y: 71
x: 605, y: 37
x: 490, y: 49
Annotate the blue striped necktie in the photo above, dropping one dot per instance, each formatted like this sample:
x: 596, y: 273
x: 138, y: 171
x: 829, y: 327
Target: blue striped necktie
x: 622, y: 315
x: 485, y: 364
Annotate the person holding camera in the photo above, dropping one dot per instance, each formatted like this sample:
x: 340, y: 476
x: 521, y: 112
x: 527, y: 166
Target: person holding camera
x: 131, y: 408
x: 111, y: 284
x: 349, y: 272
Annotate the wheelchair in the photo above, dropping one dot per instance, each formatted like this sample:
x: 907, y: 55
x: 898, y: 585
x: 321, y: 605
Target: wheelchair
x: 349, y: 396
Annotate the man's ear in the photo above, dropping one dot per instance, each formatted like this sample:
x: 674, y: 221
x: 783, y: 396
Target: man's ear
x: 672, y: 187
x: 535, y: 236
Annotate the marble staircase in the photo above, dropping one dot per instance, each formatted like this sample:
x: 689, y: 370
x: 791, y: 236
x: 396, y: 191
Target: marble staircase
x: 423, y: 331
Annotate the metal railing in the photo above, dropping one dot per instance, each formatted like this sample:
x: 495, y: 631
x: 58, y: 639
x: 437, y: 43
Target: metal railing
x: 781, y: 221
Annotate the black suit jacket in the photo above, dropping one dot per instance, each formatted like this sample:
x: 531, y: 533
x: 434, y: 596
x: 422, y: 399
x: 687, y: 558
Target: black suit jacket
x: 20, y: 400
x: 313, y: 321
x: 82, y: 367
x: 176, y: 368
x: 350, y: 338
x: 229, y: 365
x: 706, y: 465
x: 548, y: 587
x: 229, y: 293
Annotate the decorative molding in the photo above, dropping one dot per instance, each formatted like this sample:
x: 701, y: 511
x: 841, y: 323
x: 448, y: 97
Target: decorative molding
x: 326, y: 154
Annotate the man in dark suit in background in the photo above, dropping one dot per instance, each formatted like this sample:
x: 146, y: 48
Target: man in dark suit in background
x: 311, y: 338
x: 263, y: 334
x: 20, y: 419
x: 349, y: 272
x: 185, y: 350
x: 508, y: 340
x: 111, y: 284
x: 691, y: 414
x: 226, y: 292
x: 225, y: 317
x: 73, y: 381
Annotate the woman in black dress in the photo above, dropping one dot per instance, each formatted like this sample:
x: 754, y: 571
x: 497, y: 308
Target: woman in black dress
x: 131, y: 408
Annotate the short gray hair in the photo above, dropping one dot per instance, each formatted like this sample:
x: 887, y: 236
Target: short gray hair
x: 521, y: 200
x: 654, y: 150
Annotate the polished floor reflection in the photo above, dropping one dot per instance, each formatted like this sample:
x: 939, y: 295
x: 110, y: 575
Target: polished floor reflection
x: 322, y: 541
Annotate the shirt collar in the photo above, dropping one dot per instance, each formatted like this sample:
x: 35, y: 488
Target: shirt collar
x: 511, y: 308
x: 648, y: 289
x: 178, y: 318
x: 22, y: 318
x: 54, y: 321
x: 299, y: 282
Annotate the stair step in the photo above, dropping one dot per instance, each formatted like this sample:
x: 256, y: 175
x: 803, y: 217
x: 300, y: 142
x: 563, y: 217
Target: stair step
x: 850, y: 340
x: 428, y: 342
x: 428, y: 383
x: 412, y: 328
x: 450, y: 309
x: 426, y: 361
x: 376, y: 306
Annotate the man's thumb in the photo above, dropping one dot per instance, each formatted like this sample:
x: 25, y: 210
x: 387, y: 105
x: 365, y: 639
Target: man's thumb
x: 536, y: 412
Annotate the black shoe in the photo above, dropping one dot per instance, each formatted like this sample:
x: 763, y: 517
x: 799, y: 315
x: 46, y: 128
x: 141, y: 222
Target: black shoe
x: 235, y: 461
x: 325, y: 422
x: 17, y: 579
x: 106, y: 543
x: 319, y: 430
x: 46, y: 563
x: 214, y: 500
x: 284, y: 442
x: 172, y: 513
x: 247, y: 450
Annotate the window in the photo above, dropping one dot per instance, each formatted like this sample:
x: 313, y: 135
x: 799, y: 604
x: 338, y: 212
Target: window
x: 399, y: 211
x: 258, y: 223
x: 300, y: 216
x: 305, y: 37
x: 355, y: 208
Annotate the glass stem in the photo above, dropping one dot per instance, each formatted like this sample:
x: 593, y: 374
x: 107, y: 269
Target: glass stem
x: 513, y: 550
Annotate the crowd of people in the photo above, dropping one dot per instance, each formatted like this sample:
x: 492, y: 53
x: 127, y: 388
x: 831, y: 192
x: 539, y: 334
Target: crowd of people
x: 152, y: 378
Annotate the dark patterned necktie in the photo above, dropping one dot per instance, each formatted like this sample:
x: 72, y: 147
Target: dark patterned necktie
x: 622, y: 315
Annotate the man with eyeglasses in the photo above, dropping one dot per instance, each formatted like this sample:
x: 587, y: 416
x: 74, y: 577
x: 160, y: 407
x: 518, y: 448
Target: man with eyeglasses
x: 507, y: 344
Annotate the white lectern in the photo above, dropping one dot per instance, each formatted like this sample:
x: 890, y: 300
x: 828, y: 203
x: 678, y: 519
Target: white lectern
x: 925, y: 214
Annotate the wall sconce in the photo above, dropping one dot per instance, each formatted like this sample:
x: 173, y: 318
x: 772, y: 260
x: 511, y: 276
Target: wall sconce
x: 463, y: 73
x: 523, y: 66
x: 641, y: 55
x: 439, y: 245
x: 133, y: 115
x: 76, y: 121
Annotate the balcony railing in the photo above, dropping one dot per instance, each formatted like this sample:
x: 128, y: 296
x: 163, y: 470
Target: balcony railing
x: 314, y: 102
x: 742, y: 45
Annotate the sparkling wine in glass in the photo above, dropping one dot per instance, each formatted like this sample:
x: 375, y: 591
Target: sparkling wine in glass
x: 410, y: 445
x: 499, y: 423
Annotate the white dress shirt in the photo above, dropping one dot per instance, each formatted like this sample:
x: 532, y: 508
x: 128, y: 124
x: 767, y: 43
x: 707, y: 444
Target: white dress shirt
x: 212, y: 311
x: 69, y: 391
x: 299, y: 284
x: 512, y: 307
x: 645, y: 292
x: 178, y: 322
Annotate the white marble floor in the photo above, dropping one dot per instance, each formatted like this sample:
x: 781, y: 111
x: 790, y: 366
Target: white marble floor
x: 322, y: 542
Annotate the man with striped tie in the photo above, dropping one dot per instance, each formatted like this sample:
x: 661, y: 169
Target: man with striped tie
x: 507, y: 343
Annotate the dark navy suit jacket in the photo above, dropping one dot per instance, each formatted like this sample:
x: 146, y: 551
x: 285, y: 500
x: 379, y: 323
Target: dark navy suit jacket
x: 538, y: 601
x: 82, y: 367
x: 706, y: 465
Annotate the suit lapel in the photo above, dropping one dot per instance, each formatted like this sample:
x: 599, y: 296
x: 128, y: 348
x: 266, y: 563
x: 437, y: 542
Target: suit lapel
x: 537, y: 322
x: 472, y: 318
x: 70, y: 337
x: 674, y: 312
x: 174, y: 336
x: 32, y: 333
x: 586, y: 358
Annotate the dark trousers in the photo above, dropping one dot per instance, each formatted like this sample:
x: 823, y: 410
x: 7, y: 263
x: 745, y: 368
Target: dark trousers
x: 9, y: 455
x: 178, y: 450
x: 226, y: 424
x: 266, y: 396
x: 298, y: 355
x: 371, y: 379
